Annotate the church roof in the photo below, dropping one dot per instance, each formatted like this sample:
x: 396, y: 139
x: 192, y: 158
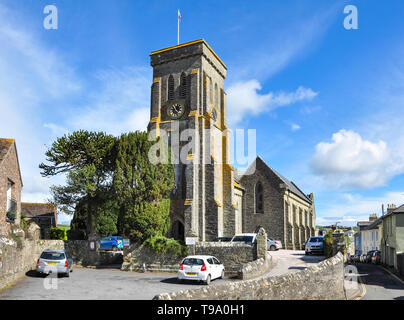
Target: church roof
x: 291, y: 186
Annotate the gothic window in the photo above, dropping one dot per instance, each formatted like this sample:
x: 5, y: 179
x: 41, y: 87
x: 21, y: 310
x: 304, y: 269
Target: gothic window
x: 259, y: 198
x: 170, y: 87
x: 210, y: 91
x: 216, y: 96
x: 183, y: 86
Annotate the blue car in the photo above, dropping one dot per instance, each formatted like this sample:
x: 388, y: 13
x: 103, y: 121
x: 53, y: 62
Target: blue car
x: 114, y: 243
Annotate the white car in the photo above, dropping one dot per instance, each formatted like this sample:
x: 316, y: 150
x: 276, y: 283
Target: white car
x: 273, y: 245
x: 200, y: 268
x: 248, y: 238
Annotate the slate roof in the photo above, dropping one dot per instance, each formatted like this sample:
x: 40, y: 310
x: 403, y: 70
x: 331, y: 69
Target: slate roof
x: 289, y: 184
x: 39, y: 210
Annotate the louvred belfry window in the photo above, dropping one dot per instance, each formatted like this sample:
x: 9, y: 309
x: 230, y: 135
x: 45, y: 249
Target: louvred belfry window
x: 183, y: 86
x: 170, y: 87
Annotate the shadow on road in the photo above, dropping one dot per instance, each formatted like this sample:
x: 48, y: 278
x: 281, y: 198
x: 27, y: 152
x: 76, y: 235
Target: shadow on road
x: 297, y: 268
x: 34, y: 274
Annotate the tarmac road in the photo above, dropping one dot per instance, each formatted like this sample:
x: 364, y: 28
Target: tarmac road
x: 110, y: 284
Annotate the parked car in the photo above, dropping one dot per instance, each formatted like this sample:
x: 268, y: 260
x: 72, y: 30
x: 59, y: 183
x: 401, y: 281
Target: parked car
x: 355, y: 258
x: 114, y: 243
x: 200, y: 268
x: 273, y: 245
x: 222, y: 239
x: 315, y: 245
x: 248, y: 238
x: 369, y: 256
x: 351, y: 259
x: 54, y: 261
x: 376, y: 257
x: 362, y: 258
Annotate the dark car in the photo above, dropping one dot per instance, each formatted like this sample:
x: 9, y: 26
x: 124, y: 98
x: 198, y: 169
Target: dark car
x: 351, y: 259
x: 369, y: 256
x: 222, y: 239
x: 376, y: 257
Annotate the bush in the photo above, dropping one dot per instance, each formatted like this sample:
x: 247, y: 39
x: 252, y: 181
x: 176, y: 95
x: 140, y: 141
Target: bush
x: 58, y: 234
x: 328, y: 241
x: 161, y: 244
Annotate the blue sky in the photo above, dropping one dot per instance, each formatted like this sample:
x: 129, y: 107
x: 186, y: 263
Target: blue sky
x: 327, y: 103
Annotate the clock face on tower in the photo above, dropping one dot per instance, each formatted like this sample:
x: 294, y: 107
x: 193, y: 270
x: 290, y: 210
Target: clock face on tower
x: 175, y: 110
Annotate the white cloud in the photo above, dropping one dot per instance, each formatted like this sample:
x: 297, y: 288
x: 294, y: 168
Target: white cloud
x: 38, y: 82
x: 244, y: 99
x: 295, y: 127
x: 121, y: 103
x: 352, y: 162
x: 350, y: 208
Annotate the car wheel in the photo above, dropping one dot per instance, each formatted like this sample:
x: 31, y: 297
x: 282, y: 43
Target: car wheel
x: 208, y: 279
x: 67, y: 274
x: 272, y: 248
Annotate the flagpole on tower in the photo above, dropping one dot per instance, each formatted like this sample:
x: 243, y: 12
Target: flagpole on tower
x: 178, y: 34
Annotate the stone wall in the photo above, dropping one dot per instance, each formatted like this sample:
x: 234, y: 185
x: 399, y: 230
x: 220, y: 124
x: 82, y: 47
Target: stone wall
x: 255, y: 268
x: 18, y: 258
x: 324, y: 281
x: 9, y: 171
x: 141, y: 258
x: 232, y: 255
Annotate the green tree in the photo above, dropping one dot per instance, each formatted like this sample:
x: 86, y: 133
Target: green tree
x: 142, y: 188
x: 88, y: 160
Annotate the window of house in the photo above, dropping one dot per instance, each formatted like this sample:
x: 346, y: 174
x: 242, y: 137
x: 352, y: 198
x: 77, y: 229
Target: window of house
x: 259, y: 198
x: 9, y: 188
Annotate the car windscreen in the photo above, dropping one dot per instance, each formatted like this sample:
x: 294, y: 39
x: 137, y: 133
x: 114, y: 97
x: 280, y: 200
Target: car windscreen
x: 317, y: 239
x: 242, y: 239
x: 53, y: 255
x: 193, y: 262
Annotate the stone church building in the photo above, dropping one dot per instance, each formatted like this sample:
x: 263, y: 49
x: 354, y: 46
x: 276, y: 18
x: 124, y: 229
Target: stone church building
x: 210, y: 199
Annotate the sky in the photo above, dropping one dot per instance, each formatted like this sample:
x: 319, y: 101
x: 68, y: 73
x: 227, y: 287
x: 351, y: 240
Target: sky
x: 327, y: 103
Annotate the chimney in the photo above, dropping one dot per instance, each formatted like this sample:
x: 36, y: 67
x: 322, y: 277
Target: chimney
x: 373, y: 217
x: 391, y: 208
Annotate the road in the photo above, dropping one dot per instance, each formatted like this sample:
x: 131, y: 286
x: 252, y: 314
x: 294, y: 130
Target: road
x: 378, y: 284
x: 93, y: 284
x: 288, y: 261
x: 114, y: 284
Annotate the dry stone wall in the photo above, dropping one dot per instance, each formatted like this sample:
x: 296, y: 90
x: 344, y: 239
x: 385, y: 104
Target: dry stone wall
x: 324, y: 281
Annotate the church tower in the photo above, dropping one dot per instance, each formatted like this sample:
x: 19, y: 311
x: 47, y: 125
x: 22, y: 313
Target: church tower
x: 188, y: 102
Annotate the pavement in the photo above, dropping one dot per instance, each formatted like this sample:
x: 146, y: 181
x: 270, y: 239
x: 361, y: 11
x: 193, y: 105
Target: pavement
x: 94, y: 284
x: 377, y: 283
x: 290, y: 261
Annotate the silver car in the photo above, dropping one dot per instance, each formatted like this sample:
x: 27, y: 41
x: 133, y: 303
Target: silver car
x: 54, y: 261
x: 273, y: 245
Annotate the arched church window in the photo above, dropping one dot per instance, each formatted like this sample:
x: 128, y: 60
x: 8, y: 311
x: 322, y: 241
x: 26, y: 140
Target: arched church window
x: 216, y: 96
x: 210, y: 91
x: 171, y: 87
x: 183, y: 86
x: 259, y: 198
